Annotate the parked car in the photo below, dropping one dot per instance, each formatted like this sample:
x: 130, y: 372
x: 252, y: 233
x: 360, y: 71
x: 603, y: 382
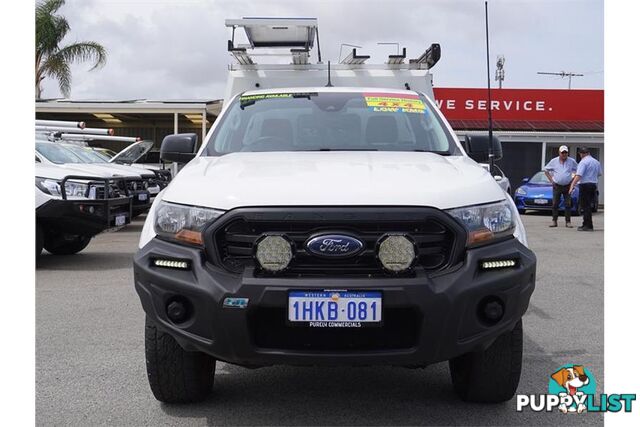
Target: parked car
x: 141, y: 154
x: 73, y: 206
x: 137, y: 182
x: 499, y: 176
x: 536, y: 193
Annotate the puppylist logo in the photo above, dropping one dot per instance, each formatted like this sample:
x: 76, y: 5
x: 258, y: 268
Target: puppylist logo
x: 572, y: 390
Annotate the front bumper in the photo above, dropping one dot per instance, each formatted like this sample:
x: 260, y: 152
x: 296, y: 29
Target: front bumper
x: 528, y: 203
x: 142, y: 200
x: 428, y: 318
x: 86, y: 217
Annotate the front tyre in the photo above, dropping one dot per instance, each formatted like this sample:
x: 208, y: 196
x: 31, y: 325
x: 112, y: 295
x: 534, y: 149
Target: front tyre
x: 176, y: 375
x: 65, y: 244
x: 39, y: 239
x: 492, y: 375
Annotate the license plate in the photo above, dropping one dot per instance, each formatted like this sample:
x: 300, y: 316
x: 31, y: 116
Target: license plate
x: 142, y: 197
x: 540, y: 201
x: 335, y: 309
x: 121, y: 220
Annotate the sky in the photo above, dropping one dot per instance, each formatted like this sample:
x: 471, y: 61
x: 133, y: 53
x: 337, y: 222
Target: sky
x: 177, y: 49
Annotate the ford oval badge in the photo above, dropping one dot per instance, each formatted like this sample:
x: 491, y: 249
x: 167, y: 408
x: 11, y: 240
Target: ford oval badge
x: 334, y: 245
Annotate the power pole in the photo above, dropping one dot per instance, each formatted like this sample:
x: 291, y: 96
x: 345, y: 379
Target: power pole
x: 500, y: 70
x: 563, y: 74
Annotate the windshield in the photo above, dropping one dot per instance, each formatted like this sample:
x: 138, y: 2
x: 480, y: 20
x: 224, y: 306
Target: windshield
x: 330, y: 121
x: 86, y: 154
x: 539, y: 178
x: 105, y: 152
x: 132, y: 153
x: 56, y: 153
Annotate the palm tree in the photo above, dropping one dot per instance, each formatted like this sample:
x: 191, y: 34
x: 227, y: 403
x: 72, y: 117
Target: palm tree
x: 51, y: 59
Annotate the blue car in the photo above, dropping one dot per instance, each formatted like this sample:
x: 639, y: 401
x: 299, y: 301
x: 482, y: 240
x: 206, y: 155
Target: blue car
x: 537, y: 194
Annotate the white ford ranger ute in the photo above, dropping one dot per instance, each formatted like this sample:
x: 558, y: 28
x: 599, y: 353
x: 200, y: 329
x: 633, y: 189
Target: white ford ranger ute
x: 333, y: 226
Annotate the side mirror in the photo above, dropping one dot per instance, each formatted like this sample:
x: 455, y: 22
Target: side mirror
x: 477, y: 147
x: 525, y: 180
x: 179, y: 148
x: 497, y: 177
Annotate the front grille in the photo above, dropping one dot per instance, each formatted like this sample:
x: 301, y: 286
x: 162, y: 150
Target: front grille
x: 400, y: 329
x: 163, y: 175
x: 114, y: 192
x: 437, y: 240
x: 149, y: 181
x: 131, y: 185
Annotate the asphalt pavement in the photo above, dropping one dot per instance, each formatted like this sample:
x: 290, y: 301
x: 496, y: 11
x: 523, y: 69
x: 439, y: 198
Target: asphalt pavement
x: 90, y: 351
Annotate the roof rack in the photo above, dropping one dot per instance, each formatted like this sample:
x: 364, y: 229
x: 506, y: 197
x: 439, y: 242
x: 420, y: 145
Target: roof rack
x: 430, y: 57
x: 354, y: 58
x: 240, y: 53
x: 398, y: 59
x: 300, y: 56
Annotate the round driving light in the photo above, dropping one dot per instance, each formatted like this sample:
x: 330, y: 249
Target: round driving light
x: 396, y: 253
x: 274, y: 253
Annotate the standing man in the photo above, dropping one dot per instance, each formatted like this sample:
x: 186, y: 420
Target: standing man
x: 560, y: 172
x: 589, y: 170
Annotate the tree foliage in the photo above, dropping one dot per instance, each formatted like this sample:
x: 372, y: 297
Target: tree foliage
x: 53, y: 60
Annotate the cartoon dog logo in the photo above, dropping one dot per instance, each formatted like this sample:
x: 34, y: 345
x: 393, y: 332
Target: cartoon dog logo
x: 571, y: 378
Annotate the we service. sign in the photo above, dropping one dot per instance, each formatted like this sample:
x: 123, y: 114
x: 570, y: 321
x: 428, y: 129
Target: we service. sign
x: 521, y: 104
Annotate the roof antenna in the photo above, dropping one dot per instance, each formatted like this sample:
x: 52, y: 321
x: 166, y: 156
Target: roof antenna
x: 329, y: 75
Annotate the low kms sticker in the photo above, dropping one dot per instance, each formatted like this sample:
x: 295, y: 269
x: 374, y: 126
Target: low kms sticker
x: 381, y: 102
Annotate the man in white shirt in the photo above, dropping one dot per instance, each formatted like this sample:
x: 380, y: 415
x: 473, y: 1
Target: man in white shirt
x: 560, y: 171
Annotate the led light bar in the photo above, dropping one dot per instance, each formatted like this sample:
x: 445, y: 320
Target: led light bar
x: 171, y: 263
x: 505, y: 263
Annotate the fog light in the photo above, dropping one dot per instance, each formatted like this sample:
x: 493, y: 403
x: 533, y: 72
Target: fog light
x: 274, y: 253
x: 505, y: 263
x: 171, y: 263
x: 396, y: 253
x: 178, y: 310
x: 491, y: 310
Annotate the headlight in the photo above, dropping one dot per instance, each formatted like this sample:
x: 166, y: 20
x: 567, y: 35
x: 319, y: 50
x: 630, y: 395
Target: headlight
x: 49, y: 186
x: 486, y: 222
x: 71, y: 188
x: 76, y: 189
x: 183, y: 223
x: 521, y: 191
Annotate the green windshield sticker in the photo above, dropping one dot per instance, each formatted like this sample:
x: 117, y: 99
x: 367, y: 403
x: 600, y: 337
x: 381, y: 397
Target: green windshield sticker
x: 247, y: 100
x: 265, y: 96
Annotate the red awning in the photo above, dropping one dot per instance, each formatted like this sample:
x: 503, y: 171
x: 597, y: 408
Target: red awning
x: 532, y: 126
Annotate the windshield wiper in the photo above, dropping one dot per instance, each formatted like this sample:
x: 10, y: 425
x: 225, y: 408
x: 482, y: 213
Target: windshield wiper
x: 343, y: 149
x: 442, y: 153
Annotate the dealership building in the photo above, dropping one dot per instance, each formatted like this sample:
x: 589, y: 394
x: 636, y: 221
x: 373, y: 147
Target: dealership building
x: 531, y: 123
